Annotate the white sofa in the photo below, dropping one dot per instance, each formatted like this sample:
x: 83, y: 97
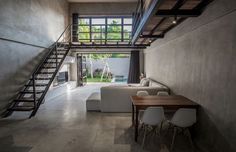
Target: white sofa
x: 117, y: 98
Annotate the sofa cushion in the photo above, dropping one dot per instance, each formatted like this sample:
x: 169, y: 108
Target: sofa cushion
x: 156, y: 84
x: 144, y: 82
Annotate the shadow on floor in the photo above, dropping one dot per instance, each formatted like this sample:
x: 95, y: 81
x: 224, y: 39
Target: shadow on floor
x: 7, y: 145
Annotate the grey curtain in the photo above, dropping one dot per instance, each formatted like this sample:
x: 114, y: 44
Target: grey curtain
x: 134, y: 70
x: 75, y: 17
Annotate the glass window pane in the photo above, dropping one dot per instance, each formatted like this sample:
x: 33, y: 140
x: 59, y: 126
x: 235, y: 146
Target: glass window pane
x: 127, y: 36
x: 113, y: 28
x: 127, y: 20
x: 84, y: 40
x: 114, y: 21
x: 98, y: 36
x: 127, y: 28
x: 116, y: 36
x: 83, y: 21
x: 84, y: 36
x: 98, y: 21
x: 84, y: 29
x: 98, y: 28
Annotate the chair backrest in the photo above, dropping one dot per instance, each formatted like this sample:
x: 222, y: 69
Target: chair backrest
x: 184, y: 117
x: 142, y: 93
x: 162, y: 93
x: 153, y: 115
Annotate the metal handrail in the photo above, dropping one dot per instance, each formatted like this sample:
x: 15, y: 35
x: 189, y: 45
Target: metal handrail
x: 52, y: 47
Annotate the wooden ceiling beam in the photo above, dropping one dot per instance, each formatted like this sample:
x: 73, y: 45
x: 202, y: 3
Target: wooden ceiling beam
x: 152, y: 36
x: 177, y: 5
x: 178, y: 13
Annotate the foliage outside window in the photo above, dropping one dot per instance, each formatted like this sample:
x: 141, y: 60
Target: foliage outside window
x: 104, y: 29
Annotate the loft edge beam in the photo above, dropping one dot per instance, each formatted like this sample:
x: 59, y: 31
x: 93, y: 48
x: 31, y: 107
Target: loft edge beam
x: 178, y: 13
x: 146, y: 17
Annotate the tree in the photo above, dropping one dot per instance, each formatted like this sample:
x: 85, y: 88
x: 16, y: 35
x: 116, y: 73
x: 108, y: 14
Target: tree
x: 103, y: 57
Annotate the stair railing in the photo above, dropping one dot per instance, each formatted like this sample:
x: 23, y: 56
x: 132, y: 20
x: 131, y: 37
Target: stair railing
x: 65, y: 37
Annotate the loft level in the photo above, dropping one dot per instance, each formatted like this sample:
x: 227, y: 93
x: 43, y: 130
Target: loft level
x: 154, y: 18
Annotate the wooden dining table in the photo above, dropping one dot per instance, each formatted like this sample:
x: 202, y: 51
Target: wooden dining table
x: 167, y: 102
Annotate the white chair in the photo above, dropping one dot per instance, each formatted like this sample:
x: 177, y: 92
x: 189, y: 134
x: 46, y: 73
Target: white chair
x: 142, y: 93
x: 162, y: 93
x: 183, y: 119
x: 152, y: 117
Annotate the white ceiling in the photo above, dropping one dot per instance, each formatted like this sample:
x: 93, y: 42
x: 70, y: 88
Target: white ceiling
x: 99, y: 1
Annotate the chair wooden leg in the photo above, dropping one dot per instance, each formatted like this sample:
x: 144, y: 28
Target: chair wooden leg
x: 168, y: 128
x: 161, y: 128
x: 173, y: 139
x: 190, y: 139
x: 144, y: 136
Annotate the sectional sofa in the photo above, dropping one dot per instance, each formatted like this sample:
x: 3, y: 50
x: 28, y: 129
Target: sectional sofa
x: 116, y: 98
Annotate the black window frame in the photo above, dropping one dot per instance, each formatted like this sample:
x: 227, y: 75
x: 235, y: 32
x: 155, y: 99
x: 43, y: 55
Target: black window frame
x: 103, y: 29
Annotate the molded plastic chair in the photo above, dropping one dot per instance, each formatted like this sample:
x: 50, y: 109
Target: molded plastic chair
x: 152, y: 117
x: 142, y: 93
x: 162, y: 93
x: 183, y: 118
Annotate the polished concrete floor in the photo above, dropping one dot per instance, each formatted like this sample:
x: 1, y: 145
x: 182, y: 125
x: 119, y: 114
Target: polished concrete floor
x: 63, y: 125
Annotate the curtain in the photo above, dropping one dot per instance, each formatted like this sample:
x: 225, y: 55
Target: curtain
x: 75, y: 17
x: 134, y: 69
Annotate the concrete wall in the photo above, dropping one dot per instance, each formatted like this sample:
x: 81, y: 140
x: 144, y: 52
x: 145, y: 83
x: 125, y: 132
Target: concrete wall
x: 93, y: 9
x: 198, y: 60
x: 38, y: 22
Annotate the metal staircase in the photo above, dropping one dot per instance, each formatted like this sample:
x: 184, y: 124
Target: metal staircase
x: 32, y: 94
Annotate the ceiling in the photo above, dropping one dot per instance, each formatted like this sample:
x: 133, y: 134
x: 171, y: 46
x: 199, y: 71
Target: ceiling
x: 100, y: 1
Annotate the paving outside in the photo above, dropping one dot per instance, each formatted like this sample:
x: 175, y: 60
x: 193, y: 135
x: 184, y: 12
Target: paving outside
x: 62, y: 124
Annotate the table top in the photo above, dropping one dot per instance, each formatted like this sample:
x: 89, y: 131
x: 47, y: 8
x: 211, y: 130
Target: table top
x: 165, y: 101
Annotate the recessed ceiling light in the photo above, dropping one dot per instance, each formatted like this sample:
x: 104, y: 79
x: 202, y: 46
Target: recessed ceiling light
x: 175, y: 20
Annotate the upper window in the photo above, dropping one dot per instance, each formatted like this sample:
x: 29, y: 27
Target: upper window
x: 104, y: 29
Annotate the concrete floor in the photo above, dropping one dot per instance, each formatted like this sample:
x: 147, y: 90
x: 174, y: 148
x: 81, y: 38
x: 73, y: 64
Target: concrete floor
x: 63, y: 125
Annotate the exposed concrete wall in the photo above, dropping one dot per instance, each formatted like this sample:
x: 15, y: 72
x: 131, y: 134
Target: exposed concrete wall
x: 198, y: 60
x: 31, y: 21
x: 94, y: 9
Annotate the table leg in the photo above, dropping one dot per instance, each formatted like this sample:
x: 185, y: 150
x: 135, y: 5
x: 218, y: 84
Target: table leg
x: 132, y: 114
x: 136, y: 125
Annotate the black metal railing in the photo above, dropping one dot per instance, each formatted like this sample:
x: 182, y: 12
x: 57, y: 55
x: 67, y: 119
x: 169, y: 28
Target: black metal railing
x: 141, y: 8
x: 144, y: 10
x: 65, y: 37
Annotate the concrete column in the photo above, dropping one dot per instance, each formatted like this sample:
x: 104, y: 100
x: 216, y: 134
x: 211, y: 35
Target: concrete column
x: 73, y: 69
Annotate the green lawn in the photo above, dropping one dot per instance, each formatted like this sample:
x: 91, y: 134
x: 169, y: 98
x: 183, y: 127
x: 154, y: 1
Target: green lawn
x: 98, y: 80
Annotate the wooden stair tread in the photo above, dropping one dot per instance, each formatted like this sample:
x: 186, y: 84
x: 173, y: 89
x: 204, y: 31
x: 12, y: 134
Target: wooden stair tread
x: 37, y: 84
x: 31, y: 92
x: 21, y: 108
x: 45, y: 72
x: 24, y: 100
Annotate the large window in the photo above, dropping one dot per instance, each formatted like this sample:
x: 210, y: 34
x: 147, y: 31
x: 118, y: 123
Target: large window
x: 104, y: 29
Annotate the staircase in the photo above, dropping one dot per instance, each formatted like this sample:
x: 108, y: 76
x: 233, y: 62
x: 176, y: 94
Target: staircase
x: 33, y: 92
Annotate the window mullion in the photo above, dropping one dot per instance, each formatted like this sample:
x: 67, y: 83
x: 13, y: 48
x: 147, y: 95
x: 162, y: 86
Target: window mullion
x: 122, y: 29
x: 106, y: 30
x: 90, y: 29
